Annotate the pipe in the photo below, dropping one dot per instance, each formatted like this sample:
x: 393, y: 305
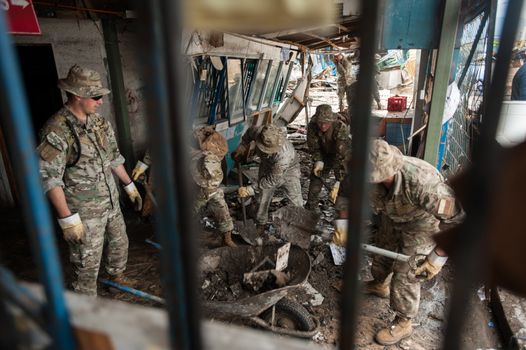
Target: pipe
x: 133, y: 291
x: 384, y: 252
x: 15, y: 118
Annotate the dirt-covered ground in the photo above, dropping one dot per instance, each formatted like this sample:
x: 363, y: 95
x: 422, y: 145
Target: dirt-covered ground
x: 325, y: 277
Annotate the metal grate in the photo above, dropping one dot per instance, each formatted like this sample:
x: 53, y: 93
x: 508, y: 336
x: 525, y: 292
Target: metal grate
x: 459, y: 133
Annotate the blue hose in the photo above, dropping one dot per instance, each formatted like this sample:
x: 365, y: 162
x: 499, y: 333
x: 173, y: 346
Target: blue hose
x: 133, y: 291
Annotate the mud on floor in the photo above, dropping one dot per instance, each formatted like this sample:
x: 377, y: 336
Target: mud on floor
x: 143, y: 266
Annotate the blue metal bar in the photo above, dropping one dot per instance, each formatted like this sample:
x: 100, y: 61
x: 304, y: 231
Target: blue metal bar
x: 154, y: 244
x: 359, y: 208
x: 21, y: 297
x: 16, y: 120
x: 168, y: 142
x: 133, y: 291
x: 217, y: 97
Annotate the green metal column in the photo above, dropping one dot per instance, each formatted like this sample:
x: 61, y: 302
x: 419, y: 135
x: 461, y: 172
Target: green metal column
x: 118, y: 92
x: 441, y: 82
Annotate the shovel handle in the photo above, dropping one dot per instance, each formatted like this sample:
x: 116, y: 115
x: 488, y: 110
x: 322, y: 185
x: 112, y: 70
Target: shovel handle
x: 243, y: 209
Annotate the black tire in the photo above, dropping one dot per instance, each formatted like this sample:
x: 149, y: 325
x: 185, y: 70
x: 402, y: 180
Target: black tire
x: 291, y: 315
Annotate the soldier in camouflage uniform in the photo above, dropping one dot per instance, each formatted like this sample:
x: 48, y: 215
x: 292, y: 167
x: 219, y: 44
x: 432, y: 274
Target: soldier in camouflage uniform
x: 413, y: 199
x: 279, y: 168
x: 208, y: 175
x: 78, y: 157
x: 345, y: 76
x: 329, y: 144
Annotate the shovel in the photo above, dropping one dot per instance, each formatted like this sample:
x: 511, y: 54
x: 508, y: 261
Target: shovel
x: 248, y: 232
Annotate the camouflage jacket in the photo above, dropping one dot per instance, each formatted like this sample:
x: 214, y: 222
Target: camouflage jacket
x: 345, y: 71
x: 90, y: 179
x: 419, y: 198
x: 334, y: 144
x: 273, y: 166
x: 206, y: 172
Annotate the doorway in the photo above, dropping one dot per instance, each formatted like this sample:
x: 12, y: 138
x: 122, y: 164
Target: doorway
x: 39, y: 75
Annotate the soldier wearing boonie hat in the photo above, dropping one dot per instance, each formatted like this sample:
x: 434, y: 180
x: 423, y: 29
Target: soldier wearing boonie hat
x: 78, y: 158
x: 412, y: 199
x: 329, y: 144
x: 279, y: 168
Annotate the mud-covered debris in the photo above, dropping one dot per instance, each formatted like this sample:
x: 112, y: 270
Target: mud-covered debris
x: 319, y: 258
x: 236, y: 289
x: 316, y: 299
x: 205, y: 284
x: 316, y: 240
x: 261, y: 281
x: 338, y: 254
x: 282, y: 259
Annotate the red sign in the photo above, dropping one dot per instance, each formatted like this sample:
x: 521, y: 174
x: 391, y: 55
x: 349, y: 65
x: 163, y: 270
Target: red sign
x: 21, y: 17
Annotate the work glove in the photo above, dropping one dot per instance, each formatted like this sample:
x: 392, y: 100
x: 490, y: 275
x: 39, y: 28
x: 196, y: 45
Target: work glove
x: 431, y: 266
x: 246, y: 191
x: 318, y: 167
x: 340, y: 232
x: 139, y: 169
x: 334, y: 192
x: 239, y: 153
x: 134, y: 195
x: 72, y: 228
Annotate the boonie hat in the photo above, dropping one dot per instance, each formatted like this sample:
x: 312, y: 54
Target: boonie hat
x: 83, y: 82
x: 269, y: 139
x: 385, y: 160
x: 325, y: 114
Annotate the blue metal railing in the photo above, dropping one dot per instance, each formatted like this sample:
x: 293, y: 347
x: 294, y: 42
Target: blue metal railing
x: 15, y: 118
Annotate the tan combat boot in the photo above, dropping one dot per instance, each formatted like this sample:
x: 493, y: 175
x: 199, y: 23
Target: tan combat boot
x: 227, y: 239
x: 400, y: 329
x: 125, y: 281
x: 376, y: 288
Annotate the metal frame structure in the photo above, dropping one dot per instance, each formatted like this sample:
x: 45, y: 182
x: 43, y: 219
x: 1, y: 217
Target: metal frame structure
x: 162, y: 66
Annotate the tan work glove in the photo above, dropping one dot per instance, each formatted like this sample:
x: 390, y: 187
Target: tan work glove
x: 317, y: 169
x: 431, y: 266
x: 239, y: 153
x: 334, y: 192
x: 340, y: 232
x: 139, y: 169
x: 246, y: 191
x: 72, y: 228
x: 134, y: 196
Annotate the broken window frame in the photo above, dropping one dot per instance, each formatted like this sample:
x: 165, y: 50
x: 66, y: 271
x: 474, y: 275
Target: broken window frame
x: 272, y: 79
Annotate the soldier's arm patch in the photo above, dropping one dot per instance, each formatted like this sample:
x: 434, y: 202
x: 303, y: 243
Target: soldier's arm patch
x: 47, y: 151
x: 446, y: 206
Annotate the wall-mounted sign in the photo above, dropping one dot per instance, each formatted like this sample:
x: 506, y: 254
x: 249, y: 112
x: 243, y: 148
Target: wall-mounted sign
x: 21, y: 17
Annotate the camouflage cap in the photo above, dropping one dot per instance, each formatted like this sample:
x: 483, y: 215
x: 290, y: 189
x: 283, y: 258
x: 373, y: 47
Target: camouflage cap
x: 83, y: 82
x: 385, y: 161
x: 325, y: 114
x: 215, y: 144
x: 270, y: 139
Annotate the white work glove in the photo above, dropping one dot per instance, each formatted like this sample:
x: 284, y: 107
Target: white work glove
x: 431, y: 266
x: 139, y: 169
x: 340, y: 232
x: 134, y: 195
x: 318, y: 167
x: 334, y: 192
x: 246, y: 191
x: 72, y: 228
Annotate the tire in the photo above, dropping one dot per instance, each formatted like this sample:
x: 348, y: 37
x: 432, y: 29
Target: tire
x: 290, y: 315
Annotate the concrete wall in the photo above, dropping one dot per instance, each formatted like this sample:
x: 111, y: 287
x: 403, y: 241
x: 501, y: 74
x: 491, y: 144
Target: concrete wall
x: 74, y: 41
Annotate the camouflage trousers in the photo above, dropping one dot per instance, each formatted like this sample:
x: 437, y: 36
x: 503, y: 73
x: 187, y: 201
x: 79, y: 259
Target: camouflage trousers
x: 342, y: 91
x: 316, y: 183
x: 108, y: 228
x: 291, y: 185
x: 215, y: 204
x: 405, y: 292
